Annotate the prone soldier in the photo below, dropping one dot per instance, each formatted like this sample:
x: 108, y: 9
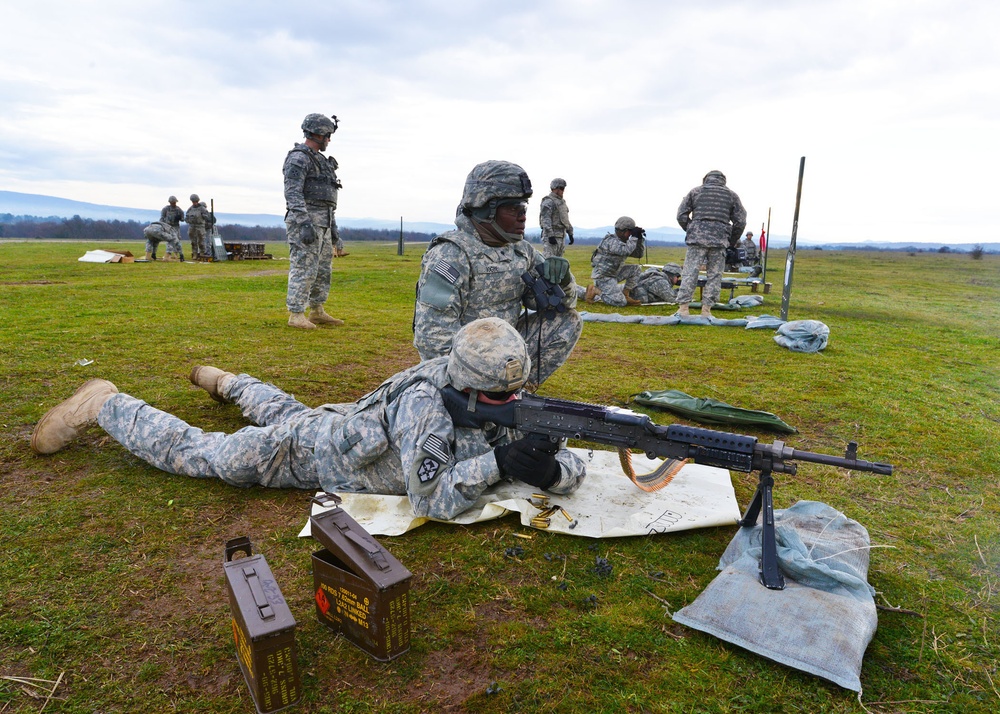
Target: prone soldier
x: 398, y: 439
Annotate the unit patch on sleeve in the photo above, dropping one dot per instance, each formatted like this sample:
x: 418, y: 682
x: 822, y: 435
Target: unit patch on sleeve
x: 431, y: 458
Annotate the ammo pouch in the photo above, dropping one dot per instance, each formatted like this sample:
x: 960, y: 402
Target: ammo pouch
x: 361, y: 439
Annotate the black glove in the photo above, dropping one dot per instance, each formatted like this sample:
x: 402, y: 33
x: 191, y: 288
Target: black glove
x: 552, y: 240
x: 525, y: 461
x: 307, y: 234
x: 570, y: 236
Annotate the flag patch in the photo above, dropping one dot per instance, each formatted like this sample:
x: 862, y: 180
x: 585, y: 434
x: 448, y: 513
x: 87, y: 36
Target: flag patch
x: 446, y: 270
x: 436, y: 447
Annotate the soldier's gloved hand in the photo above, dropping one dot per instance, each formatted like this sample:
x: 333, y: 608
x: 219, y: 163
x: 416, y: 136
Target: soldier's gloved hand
x: 556, y: 270
x: 570, y: 236
x: 525, y: 461
x: 307, y: 234
x: 552, y: 240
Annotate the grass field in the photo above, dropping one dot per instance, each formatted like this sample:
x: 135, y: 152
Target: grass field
x: 110, y: 571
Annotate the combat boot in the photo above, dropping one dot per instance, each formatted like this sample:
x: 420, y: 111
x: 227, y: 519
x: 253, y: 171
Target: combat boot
x: 298, y: 319
x: 591, y: 293
x: 683, y: 310
x: 318, y: 316
x: 342, y: 254
x: 629, y: 300
x: 147, y: 256
x: 706, y: 310
x: 66, y: 421
x: 213, y: 380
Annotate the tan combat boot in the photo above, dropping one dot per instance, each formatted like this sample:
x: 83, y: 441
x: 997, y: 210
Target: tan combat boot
x: 318, y: 315
x: 212, y: 379
x: 629, y: 300
x: 683, y: 311
x: 706, y: 310
x: 342, y: 254
x: 298, y: 319
x: 148, y: 258
x: 591, y: 294
x: 66, y: 421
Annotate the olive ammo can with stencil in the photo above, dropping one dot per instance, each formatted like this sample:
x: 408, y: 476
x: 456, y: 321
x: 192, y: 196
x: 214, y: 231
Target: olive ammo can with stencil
x: 361, y: 590
x: 263, y: 629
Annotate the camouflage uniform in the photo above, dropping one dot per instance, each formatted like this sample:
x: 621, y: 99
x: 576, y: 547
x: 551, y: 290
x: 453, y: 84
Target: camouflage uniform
x: 463, y: 279
x: 713, y: 217
x: 197, y: 217
x: 311, y: 189
x: 398, y: 439
x: 609, y: 267
x: 750, y: 251
x: 554, y: 219
x: 655, y: 284
x: 171, y: 216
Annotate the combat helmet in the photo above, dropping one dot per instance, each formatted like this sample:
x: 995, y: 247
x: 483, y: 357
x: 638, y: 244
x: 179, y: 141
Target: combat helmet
x: 624, y: 223
x: 557, y: 183
x: 195, y: 198
x: 488, y: 355
x: 490, y: 184
x: 172, y: 199
x: 319, y: 124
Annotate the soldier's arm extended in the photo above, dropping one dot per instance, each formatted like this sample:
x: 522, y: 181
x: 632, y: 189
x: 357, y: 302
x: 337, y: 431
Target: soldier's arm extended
x: 442, y: 294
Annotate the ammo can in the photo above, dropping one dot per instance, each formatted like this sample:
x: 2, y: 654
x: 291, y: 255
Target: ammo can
x: 361, y: 590
x: 263, y: 628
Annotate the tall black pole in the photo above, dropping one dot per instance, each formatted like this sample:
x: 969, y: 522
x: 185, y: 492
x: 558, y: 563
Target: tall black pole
x: 786, y: 292
x: 767, y: 244
x: 399, y: 249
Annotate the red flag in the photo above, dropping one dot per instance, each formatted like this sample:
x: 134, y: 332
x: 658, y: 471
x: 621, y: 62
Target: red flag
x: 763, y: 241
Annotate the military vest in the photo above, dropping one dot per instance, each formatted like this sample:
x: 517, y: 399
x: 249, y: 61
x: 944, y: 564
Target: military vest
x: 321, y: 184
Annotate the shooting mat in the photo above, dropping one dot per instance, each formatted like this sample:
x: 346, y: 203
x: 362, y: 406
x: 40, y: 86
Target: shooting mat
x: 607, y: 504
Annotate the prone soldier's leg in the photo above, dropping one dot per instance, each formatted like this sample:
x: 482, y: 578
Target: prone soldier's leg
x: 262, y: 403
x: 611, y: 292
x: 275, y: 456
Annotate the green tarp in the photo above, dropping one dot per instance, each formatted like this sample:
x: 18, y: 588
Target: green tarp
x: 711, y: 411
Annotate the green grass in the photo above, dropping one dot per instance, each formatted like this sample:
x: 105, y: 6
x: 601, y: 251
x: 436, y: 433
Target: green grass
x: 111, y: 571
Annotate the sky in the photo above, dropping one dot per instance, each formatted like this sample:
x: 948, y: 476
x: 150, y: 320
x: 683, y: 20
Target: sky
x: 893, y: 104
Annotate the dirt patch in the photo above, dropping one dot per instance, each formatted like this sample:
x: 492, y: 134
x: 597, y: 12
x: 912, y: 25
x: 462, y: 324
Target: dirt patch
x: 33, y: 282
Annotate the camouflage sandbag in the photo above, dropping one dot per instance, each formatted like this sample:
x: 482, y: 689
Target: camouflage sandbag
x: 711, y: 411
x: 803, y: 335
x: 822, y: 621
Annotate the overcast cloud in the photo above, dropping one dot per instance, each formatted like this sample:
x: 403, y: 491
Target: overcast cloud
x: 893, y: 104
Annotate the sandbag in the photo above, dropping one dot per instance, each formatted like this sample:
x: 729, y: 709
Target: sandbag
x: 823, y: 620
x: 803, y: 335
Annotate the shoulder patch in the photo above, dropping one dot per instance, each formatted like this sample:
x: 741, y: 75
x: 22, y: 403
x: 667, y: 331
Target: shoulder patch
x: 431, y: 458
x: 446, y: 270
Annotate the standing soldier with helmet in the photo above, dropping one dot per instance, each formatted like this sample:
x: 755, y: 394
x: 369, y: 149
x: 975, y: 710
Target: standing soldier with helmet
x: 553, y: 217
x: 311, y: 187
x: 713, y: 218
x: 197, y: 217
x: 476, y: 271
x: 171, y: 216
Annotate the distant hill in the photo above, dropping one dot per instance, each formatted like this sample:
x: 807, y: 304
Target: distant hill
x: 39, y: 206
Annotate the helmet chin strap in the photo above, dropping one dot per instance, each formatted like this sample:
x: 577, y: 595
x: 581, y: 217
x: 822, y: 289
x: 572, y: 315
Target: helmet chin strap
x: 499, y: 236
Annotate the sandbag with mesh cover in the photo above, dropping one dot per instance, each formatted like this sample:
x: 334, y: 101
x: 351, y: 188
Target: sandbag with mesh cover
x: 823, y: 620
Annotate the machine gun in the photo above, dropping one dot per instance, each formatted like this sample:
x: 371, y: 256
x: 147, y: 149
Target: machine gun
x: 549, y: 420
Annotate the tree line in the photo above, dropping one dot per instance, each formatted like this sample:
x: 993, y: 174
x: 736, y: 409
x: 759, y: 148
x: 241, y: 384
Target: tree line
x: 77, y: 228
